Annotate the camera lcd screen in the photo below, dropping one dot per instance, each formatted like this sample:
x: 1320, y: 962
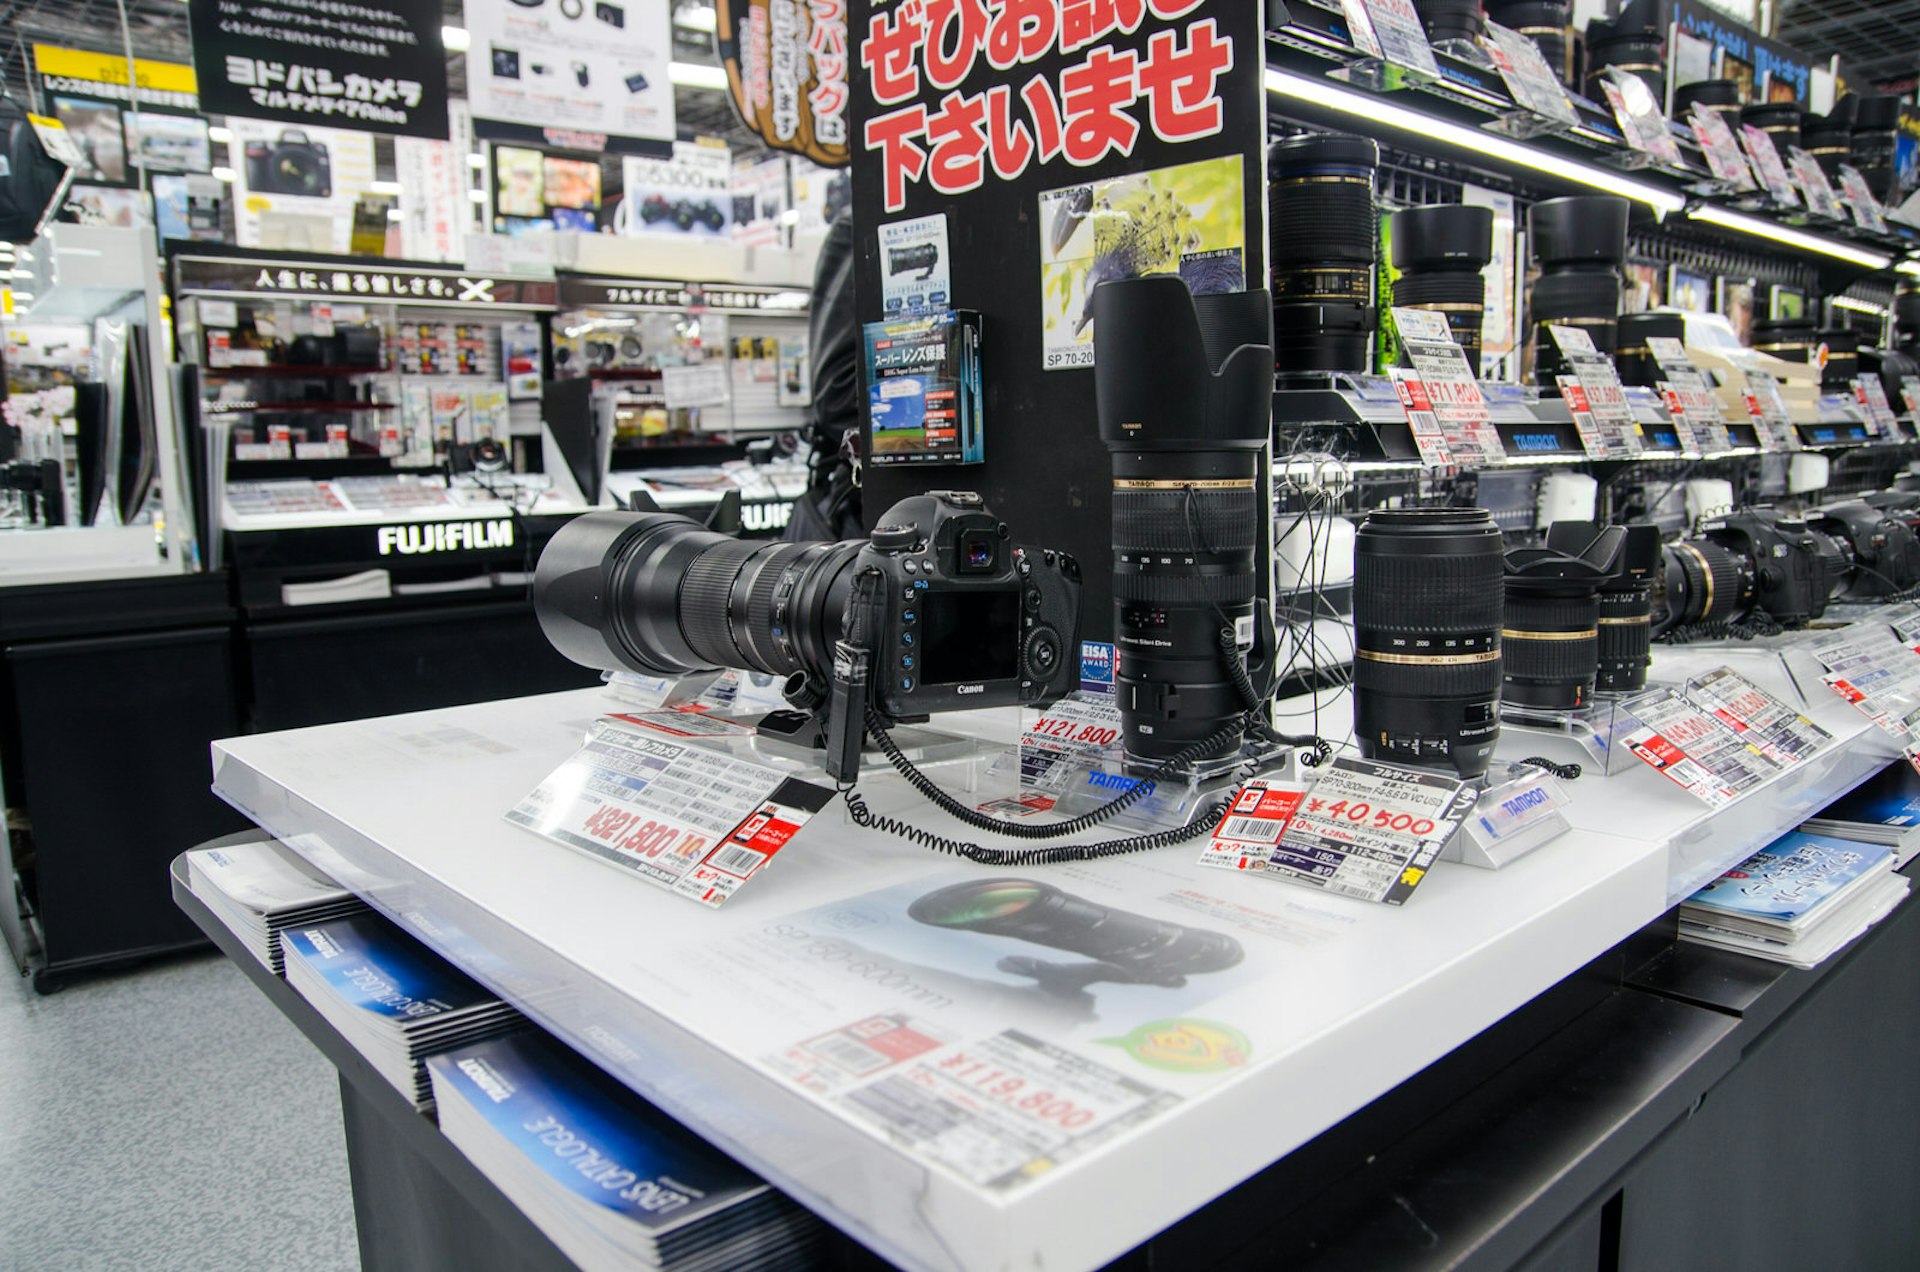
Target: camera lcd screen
x: 968, y: 636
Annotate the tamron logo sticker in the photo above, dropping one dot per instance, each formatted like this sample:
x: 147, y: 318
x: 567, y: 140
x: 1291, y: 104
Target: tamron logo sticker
x: 445, y: 536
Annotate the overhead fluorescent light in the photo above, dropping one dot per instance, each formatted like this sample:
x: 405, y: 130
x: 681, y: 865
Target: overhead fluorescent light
x: 455, y: 39
x: 389, y: 189
x: 1379, y: 110
x: 693, y: 75
x: 1908, y: 267
x: 1743, y: 224
x: 1859, y: 306
x: 219, y: 136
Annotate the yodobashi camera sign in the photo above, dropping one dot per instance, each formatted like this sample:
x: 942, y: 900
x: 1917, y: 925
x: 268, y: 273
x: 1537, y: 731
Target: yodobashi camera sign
x: 372, y: 65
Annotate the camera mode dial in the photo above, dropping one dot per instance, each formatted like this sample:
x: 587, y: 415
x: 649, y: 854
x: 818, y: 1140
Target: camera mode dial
x: 895, y: 538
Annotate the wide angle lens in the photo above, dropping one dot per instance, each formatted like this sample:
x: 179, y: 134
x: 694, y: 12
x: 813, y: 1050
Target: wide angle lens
x: 1427, y: 606
x: 1550, y: 637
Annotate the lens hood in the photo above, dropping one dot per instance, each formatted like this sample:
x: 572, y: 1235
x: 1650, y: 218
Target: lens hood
x: 1579, y: 228
x: 1175, y: 371
x: 1444, y: 236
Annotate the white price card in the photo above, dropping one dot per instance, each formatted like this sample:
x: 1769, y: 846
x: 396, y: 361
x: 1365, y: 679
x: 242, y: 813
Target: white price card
x: 1601, y: 397
x: 704, y: 384
x: 1453, y: 393
x: 1910, y: 396
x: 1866, y: 209
x: 1252, y: 825
x: 1765, y: 158
x: 1367, y: 830
x: 1875, y: 672
x: 1872, y: 397
x: 1771, y: 423
x: 1722, y: 151
x: 1693, y: 750
x: 1687, y: 396
x: 1391, y: 31
x: 1813, y: 184
x: 1529, y: 80
x: 1002, y: 1110
x: 1781, y: 733
x: 1078, y: 724
x: 1428, y: 437
x: 687, y: 817
x: 1638, y: 115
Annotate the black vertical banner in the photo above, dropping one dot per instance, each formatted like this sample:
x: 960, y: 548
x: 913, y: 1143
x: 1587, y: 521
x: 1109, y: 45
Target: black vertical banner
x: 1066, y: 142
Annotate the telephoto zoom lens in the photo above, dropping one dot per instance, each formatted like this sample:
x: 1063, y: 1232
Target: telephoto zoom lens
x: 1323, y: 239
x: 1450, y: 19
x: 1634, y: 356
x: 1701, y: 582
x: 1780, y: 121
x: 1626, y: 602
x: 1427, y: 606
x: 1721, y: 96
x: 1439, y: 252
x: 1580, y: 242
x: 1829, y: 139
x: 1183, y: 389
x: 1550, y: 638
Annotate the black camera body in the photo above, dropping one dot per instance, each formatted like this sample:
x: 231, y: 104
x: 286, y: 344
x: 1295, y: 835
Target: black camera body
x: 291, y: 165
x: 1796, y: 569
x: 938, y: 610
x: 961, y: 617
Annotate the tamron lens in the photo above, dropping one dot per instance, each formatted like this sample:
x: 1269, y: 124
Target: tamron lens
x: 1702, y: 583
x: 1427, y: 606
x: 1550, y: 639
x: 1580, y: 242
x: 1439, y: 252
x: 1323, y: 239
x: 1183, y: 389
x: 1626, y: 603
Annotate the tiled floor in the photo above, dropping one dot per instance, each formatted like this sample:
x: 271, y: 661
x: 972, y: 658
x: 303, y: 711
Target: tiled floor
x: 166, y: 1118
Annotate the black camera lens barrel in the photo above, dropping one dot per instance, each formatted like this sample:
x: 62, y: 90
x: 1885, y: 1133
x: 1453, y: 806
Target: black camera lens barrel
x: 1579, y: 228
x: 1580, y: 242
x: 1450, y: 19
x: 1779, y: 120
x: 1721, y: 96
x: 1626, y: 638
x: 1427, y: 606
x: 1633, y: 355
x: 1323, y: 243
x: 1550, y: 647
x: 1439, y: 251
x: 1703, y: 583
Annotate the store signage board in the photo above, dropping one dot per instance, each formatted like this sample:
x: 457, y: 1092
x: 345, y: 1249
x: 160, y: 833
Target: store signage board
x: 1689, y: 401
x: 1814, y: 185
x: 434, y: 181
x: 1529, y: 80
x: 1866, y: 210
x: 1765, y: 158
x: 646, y: 795
x: 1452, y: 391
x: 588, y: 75
x: 787, y: 68
x: 90, y: 73
x: 1363, y: 829
x: 1721, y: 149
x: 277, y: 276
x: 581, y: 292
x: 375, y: 65
x: 1639, y: 117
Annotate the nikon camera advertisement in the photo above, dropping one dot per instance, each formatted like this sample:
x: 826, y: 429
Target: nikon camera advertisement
x: 294, y: 188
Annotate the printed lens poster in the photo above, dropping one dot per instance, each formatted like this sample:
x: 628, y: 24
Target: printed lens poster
x: 294, y: 188
x: 1188, y: 220
x: 578, y: 74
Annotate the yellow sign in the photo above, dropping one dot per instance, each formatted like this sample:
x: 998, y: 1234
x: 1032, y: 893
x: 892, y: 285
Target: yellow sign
x: 81, y: 71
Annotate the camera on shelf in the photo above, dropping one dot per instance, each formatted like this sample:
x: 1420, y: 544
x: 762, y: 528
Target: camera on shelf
x: 938, y: 610
x: 1754, y: 560
x: 486, y: 457
x: 292, y: 165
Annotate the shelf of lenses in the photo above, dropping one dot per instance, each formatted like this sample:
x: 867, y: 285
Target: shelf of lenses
x: 686, y: 363
x: 1653, y: 385
x: 1440, y: 92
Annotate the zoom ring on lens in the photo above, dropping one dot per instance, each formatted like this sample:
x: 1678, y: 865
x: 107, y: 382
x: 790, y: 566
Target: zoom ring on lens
x: 1184, y: 588
x: 704, y: 600
x: 1175, y: 521
x: 1551, y: 638
x: 1422, y: 594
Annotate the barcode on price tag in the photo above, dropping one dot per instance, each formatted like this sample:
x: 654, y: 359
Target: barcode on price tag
x: 1252, y: 825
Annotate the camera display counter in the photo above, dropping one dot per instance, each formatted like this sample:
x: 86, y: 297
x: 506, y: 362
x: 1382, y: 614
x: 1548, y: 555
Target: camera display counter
x: 806, y: 1027
x: 767, y: 492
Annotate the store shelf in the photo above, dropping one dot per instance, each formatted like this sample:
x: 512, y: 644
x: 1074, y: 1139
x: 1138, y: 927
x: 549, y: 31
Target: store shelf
x: 282, y: 371
x: 276, y: 408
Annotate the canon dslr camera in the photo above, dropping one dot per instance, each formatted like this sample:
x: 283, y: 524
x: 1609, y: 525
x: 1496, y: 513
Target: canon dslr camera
x: 937, y: 610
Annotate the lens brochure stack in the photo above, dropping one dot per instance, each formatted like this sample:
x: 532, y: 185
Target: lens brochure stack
x: 390, y: 996
x: 1798, y: 901
x: 613, y: 1181
x: 262, y: 889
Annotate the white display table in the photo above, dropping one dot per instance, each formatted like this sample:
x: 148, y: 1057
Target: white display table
x: 888, y: 1073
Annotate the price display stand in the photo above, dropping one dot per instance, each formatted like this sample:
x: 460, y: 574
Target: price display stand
x: 1393, y: 47
x: 1731, y: 173
x: 1649, y: 143
x: 1511, y: 819
x: 1446, y: 383
x: 1595, y: 398
x: 1695, y: 410
x: 1541, y: 105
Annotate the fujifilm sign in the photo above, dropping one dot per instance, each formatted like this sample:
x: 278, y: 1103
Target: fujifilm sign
x: 445, y: 536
